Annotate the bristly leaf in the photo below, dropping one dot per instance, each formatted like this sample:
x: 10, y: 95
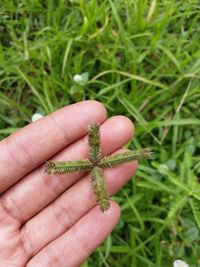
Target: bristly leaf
x: 196, y: 210
x: 100, y: 189
x: 94, y: 143
x: 124, y: 157
x: 60, y: 167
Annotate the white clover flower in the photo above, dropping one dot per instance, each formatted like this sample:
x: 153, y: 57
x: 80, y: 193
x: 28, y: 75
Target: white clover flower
x: 163, y: 169
x: 36, y: 116
x: 77, y: 78
x: 179, y: 263
x: 81, y: 79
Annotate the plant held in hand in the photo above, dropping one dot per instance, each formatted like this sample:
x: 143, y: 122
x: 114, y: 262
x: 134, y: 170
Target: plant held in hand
x: 95, y: 164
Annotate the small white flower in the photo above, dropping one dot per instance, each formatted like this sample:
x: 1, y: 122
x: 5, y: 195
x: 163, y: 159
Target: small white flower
x: 36, y: 117
x: 163, y: 169
x: 77, y: 78
x: 179, y: 263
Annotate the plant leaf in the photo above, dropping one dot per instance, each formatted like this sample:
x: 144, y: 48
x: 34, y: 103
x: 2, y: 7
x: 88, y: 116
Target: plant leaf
x: 196, y: 210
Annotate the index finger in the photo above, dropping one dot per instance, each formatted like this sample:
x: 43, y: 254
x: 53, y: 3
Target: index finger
x: 29, y: 147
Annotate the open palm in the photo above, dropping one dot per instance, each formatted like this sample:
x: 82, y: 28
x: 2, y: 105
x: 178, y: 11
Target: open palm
x: 42, y: 223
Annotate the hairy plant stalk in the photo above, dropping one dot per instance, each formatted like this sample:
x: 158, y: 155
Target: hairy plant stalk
x: 100, y: 189
x: 60, y: 167
x: 124, y: 157
x: 94, y: 143
x: 95, y: 164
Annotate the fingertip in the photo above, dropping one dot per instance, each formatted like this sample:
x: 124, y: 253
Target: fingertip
x: 125, y: 123
x: 97, y: 107
x: 111, y: 215
x: 123, y: 126
x: 115, y: 209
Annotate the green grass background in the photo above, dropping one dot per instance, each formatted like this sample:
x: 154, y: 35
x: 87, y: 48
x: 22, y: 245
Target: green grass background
x: 143, y: 61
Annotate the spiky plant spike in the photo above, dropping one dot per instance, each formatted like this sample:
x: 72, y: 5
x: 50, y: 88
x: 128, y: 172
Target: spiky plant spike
x: 100, y: 189
x: 60, y: 167
x: 95, y: 165
x: 124, y: 157
x: 94, y: 143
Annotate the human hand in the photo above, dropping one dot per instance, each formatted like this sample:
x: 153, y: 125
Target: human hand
x: 53, y: 220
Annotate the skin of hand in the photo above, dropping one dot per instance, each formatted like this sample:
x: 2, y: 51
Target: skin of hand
x: 54, y: 220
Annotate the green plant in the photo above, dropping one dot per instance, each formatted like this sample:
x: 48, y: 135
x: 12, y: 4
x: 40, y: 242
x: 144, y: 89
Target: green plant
x: 95, y: 164
x: 142, y: 58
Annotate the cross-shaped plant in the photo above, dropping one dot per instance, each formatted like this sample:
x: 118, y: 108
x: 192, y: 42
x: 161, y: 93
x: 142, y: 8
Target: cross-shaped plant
x: 95, y: 163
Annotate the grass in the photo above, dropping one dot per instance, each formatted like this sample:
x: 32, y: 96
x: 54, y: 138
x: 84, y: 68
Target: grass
x: 143, y: 61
